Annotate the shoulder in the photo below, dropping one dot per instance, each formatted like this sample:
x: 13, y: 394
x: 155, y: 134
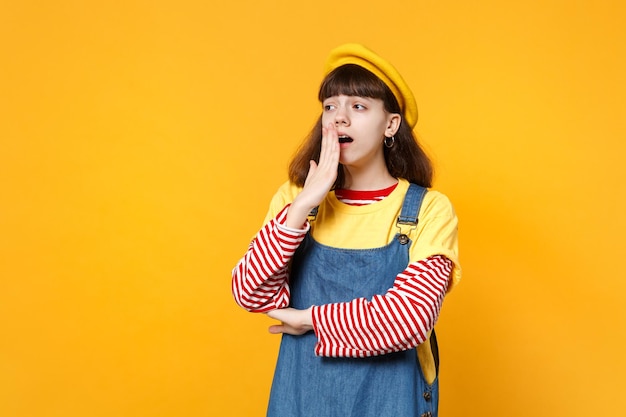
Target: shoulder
x: 285, y: 195
x: 437, y: 232
x: 437, y: 204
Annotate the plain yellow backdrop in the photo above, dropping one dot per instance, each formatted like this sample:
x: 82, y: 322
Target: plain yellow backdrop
x: 141, y: 141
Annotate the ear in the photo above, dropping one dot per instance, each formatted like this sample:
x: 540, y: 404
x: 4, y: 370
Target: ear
x: 393, y: 124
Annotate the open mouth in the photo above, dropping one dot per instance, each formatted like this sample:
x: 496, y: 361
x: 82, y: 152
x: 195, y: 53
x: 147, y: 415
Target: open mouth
x: 345, y: 139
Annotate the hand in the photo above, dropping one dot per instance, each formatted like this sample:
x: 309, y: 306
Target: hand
x: 323, y: 175
x: 295, y: 322
x: 319, y: 180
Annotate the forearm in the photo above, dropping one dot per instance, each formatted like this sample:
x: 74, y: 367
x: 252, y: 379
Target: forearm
x: 259, y: 281
x: 398, y: 320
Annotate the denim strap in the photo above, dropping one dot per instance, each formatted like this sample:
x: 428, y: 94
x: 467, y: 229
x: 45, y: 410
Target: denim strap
x: 411, y: 206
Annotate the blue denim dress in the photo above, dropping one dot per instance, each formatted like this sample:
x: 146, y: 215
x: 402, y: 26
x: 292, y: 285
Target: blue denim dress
x: 388, y: 385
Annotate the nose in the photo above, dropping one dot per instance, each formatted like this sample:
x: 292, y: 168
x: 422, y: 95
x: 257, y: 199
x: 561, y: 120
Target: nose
x: 341, y: 117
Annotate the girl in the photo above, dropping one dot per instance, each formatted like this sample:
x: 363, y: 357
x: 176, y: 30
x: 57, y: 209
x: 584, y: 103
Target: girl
x: 355, y: 256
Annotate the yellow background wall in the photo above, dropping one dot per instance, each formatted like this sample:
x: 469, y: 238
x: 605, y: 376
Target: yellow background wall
x: 140, y: 142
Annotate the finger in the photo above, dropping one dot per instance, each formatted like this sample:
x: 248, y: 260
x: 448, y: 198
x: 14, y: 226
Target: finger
x: 312, y: 169
x: 329, y: 153
x: 330, y: 142
x: 331, y: 130
x: 311, y: 173
x: 333, y: 142
x: 276, y: 329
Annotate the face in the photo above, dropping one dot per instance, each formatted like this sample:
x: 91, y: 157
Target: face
x: 362, y: 124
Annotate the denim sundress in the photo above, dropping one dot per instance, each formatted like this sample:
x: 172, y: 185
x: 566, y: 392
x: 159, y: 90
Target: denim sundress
x: 306, y: 385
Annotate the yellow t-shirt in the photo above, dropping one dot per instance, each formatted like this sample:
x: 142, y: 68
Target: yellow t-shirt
x: 374, y: 225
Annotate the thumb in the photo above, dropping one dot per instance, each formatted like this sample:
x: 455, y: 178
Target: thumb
x: 312, y: 169
x: 276, y: 329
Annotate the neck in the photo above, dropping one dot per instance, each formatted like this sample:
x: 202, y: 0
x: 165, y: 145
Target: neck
x: 367, y: 179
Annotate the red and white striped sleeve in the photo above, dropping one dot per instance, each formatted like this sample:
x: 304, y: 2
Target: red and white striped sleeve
x: 399, y: 320
x: 259, y: 281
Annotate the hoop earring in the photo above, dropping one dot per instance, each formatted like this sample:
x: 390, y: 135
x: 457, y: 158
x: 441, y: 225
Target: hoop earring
x: 389, y: 141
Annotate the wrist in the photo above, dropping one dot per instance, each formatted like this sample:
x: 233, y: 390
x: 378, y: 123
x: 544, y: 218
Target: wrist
x: 297, y: 214
x: 307, y: 318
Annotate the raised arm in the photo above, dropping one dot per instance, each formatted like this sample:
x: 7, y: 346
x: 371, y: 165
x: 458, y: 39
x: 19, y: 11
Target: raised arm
x: 260, y: 278
x: 259, y: 281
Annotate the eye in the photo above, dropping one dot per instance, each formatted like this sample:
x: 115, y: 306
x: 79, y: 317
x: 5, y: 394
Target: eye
x: 360, y: 107
x: 328, y: 107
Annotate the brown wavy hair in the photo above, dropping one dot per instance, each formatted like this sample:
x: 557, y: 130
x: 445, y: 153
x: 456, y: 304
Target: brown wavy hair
x: 406, y: 159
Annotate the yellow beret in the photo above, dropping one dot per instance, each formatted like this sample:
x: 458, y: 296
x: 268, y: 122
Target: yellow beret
x: 354, y: 53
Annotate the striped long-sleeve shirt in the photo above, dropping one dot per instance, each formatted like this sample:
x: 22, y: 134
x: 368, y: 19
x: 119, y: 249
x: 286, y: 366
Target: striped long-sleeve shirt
x: 398, y: 320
